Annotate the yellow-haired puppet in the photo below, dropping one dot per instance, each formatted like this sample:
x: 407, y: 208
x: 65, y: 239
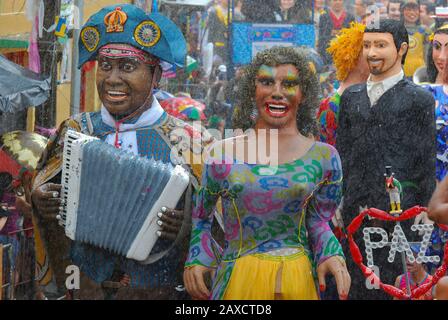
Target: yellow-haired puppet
x: 351, y: 68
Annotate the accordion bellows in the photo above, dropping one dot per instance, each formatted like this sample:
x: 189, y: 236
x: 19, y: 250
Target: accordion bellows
x: 111, y: 197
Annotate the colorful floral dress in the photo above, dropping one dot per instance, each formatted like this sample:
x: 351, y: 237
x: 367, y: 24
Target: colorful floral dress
x: 265, y: 209
x: 438, y: 236
x: 327, y: 116
x: 441, y: 116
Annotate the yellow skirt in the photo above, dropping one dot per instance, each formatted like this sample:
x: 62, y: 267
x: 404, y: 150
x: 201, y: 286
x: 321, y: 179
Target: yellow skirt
x: 266, y: 277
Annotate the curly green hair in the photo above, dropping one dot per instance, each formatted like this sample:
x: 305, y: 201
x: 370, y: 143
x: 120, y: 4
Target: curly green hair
x: 306, y: 114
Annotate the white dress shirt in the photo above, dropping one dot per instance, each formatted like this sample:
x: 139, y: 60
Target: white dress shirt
x: 376, y: 89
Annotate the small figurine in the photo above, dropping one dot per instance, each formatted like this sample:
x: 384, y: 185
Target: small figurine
x: 393, y: 187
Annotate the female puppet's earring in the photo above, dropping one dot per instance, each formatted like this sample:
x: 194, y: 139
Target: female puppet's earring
x: 254, y: 113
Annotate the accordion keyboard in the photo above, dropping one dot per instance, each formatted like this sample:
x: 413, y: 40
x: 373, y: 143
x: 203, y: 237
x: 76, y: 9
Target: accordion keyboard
x: 70, y: 152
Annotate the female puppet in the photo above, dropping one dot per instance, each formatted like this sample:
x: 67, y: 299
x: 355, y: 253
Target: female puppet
x: 437, y: 54
x: 437, y: 57
x: 436, y: 63
x: 275, y: 211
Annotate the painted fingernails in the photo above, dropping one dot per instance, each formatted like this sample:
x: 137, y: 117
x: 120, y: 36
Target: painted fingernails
x: 159, y: 233
x: 159, y: 214
x: 159, y: 222
x: 343, y: 296
x: 164, y: 209
x: 321, y: 288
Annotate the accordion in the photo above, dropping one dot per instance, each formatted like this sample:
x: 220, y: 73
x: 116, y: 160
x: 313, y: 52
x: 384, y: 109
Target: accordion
x: 110, y: 197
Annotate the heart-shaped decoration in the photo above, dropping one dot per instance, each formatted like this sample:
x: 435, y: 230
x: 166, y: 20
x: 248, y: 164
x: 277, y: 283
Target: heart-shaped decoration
x: 368, y: 273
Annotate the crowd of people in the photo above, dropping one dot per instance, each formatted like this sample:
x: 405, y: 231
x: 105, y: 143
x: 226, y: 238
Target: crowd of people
x: 254, y: 226
x: 329, y: 18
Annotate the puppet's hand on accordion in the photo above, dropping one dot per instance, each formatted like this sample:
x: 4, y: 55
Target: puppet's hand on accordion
x: 170, y: 222
x: 47, y: 200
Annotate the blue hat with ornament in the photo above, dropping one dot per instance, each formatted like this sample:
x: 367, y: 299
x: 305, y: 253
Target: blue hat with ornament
x: 127, y: 24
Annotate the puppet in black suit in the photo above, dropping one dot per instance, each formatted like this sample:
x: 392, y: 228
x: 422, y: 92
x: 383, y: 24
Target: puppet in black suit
x: 388, y: 121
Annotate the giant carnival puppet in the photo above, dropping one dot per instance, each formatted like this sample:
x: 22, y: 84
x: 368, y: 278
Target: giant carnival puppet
x: 276, y: 207
x: 437, y: 56
x: 389, y: 121
x: 438, y: 206
x: 129, y: 149
x: 433, y: 73
x: 351, y: 68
